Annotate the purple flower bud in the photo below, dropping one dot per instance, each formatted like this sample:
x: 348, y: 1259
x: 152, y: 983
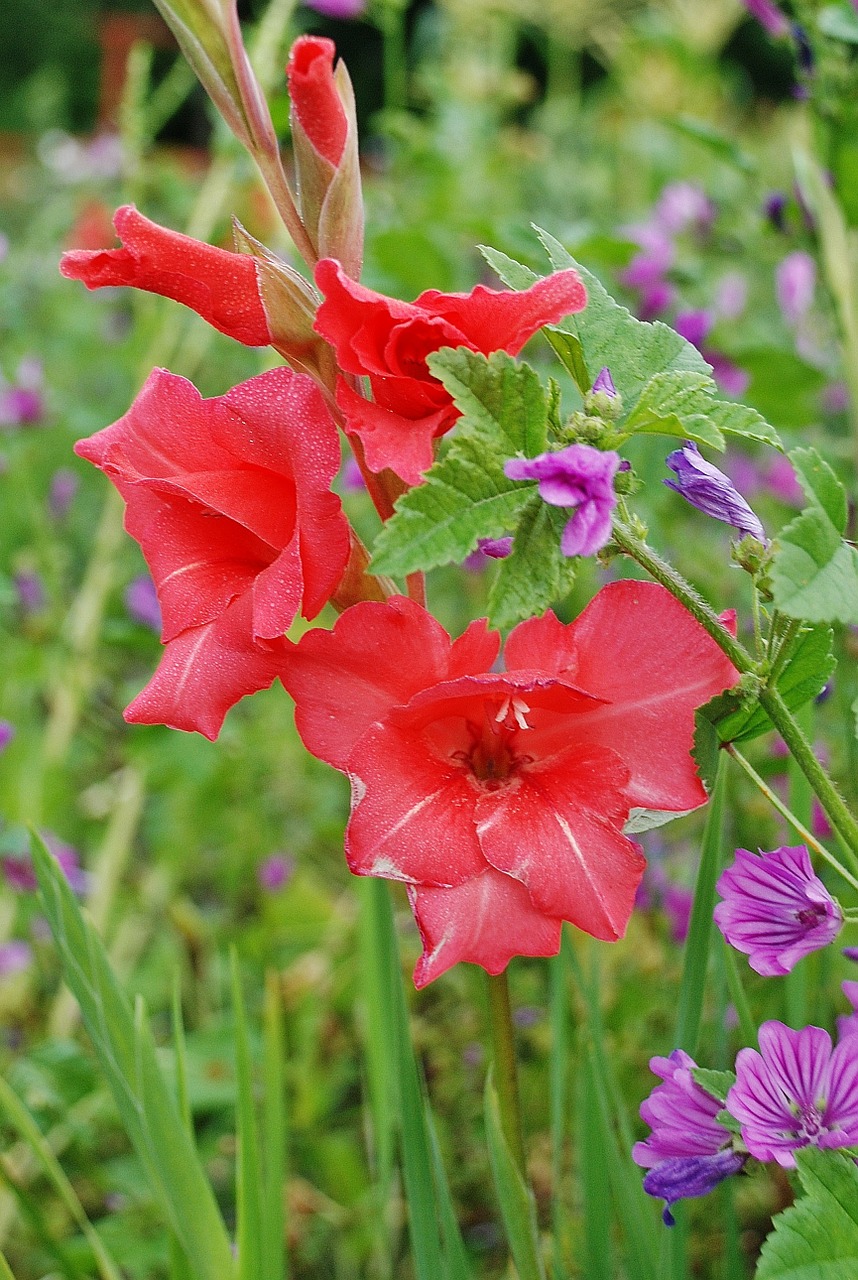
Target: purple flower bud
x: 141, y: 601
x: 851, y: 953
x: 7, y: 733
x: 796, y: 1092
x: 604, y: 382
x: 795, y: 282
x: 804, y: 50
x: 769, y: 16
x: 20, y: 406
x: 14, y: 958
x: 276, y: 872
x: 20, y: 876
x: 64, y: 486
x: 351, y: 477
x: 495, y: 548
x: 578, y: 476
x: 685, y: 1177
x: 847, y: 1023
x: 775, y: 909
x: 710, y: 491
x: 693, y: 326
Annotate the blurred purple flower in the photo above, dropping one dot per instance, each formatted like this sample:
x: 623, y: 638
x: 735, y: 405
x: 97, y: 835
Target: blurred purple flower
x: 710, y: 491
x: 7, y: 733
x: 527, y: 1015
x: 276, y: 872
x: 338, y: 8
x: 847, y: 1023
x: 693, y: 326
x: 780, y: 479
x: 677, y: 901
x: 731, y: 378
x: 578, y: 476
x: 30, y: 591
x: 804, y: 49
x: 64, y: 486
x: 20, y: 406
x: 656, y: 299
x: 775, y: 909
x: 683, y: 204
x: 835, y: 397
x: 4, y: 247
x: 731, y: 295
x: 647, y: 268
x: 774, y: 207
x: 796, y: 1092
x: 20, y: 876
x: 688, y: 1150
x: 795, y: 282
x: 769, y: 15
x: 819, y: 824
x: 15, y: 956
x: 141, y: 601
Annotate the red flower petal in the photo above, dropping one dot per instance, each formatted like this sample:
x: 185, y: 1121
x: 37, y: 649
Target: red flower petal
x: 220, y: 286
x: 376, y: 657
x: 314, y: 96
x: 636, y: 647
x: 413, y: 814
x: 494, y: 320
x: 486, y: 921
x: 559, y: 833
x: 205, y: 671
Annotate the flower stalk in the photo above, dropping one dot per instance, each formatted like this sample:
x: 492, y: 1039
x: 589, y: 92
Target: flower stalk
x: 502, y: 1035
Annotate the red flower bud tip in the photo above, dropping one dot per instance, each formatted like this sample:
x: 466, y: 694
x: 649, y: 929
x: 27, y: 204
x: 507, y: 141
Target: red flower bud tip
x: 220, y: 286
x: 314, y: 96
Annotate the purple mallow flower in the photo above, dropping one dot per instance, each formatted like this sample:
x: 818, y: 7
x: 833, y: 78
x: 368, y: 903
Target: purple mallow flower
x: 64, y: 486
x: 688, y: 1152
x: 578, y: 476
x: 796, y: 1092
x: 847, y: 1023
x: 7, y: 733
x: 795, y: 283
x: 15, y: 956
x: 19, y: 874
x: 769, y: 16
x: 30, y: 591
x: 710, y: 491
x: 775, y: 909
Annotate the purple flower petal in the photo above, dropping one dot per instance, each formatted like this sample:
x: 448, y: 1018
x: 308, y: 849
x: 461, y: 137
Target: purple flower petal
x: 604, y: 382
x: 684, y: 1177
x: 710, y: 490
x: 141, y: 601
x: 578, y: 476
x: 276, y: 872
x: 14, y: 958
x: 7, y: 733
x: 795, y: 283
x: 775, y: 909
x: 769, y: 16
x: 680, y: 1113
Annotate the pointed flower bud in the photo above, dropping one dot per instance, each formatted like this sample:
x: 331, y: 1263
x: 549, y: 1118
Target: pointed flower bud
x: 324, y: 137
x: 775, y: 909
x: 604, y: 382
x: 581, y: 477
x: 710, y: 491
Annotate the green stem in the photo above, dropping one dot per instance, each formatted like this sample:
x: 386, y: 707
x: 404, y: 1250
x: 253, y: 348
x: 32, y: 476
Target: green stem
x: 505, y: 1070
x: 740, y: 1001
x: 775, y: 801
x: 391, y: 23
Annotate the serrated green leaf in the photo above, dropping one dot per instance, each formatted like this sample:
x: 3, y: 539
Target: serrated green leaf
x: 807, y: 672
x: 466, y: 496
x: 126, y: 1053
x: 517, y: 1206
x: 685, y: 404
x: 536, y: 573
x: 814, y: 573
x: 817, y: 1238
x: 718, y: 1083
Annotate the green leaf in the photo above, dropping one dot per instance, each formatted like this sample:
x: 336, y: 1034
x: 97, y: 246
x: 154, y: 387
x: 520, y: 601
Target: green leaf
x: 517, y: 1206
x: 685, y: 404
x: 607, y: 333
x: 814, y: 573
x: 718, y: 1083
x: 250, y: 1228
x: 466, y: 496
x: 817, y: 1238
x: 808, y: 670
x: 126, y: 1053
x: 536, y: 573
x: 664, y: 381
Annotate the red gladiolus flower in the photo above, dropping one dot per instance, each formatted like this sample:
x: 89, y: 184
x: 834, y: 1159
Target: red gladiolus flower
x: 220, y: 286
x: 500, y: 799
x: 230, y: 501
x: 389, y: 341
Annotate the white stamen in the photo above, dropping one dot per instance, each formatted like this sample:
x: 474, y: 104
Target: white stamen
x: 515, y: 707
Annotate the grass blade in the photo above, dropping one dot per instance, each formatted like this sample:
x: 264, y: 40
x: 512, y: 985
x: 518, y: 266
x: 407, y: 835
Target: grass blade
x: 5, y: 1269
x: 126, y: 1053
x: 514, y: 1197
x: 595, y: 1185
x: 558, y: 1087
x: 701, y: 926
x: 249, y: 1227
x: 273, y: 1134
x: 19, y: 1116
